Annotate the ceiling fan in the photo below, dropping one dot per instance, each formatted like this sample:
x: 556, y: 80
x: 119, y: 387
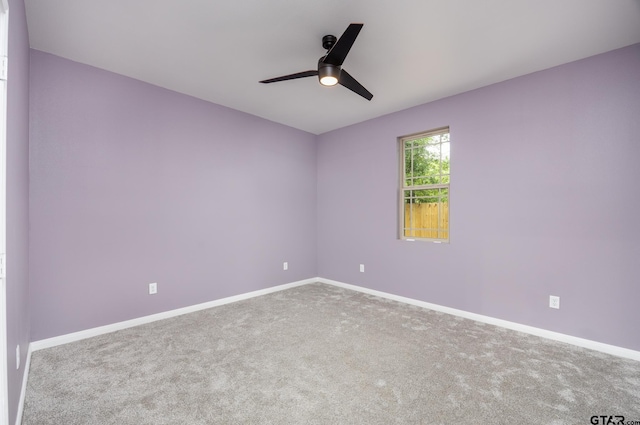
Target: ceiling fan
x: 330, y: 70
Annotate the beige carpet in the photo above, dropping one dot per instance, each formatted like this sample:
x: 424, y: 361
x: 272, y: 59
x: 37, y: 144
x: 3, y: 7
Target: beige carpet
x: 319, y: 354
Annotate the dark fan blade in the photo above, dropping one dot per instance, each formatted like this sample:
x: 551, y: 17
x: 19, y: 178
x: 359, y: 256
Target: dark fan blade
x: 349, y: 82
x: 339, y: 51
x: 291, y: 76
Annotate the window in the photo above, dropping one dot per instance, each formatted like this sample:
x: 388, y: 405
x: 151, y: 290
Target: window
x: 424, y: 185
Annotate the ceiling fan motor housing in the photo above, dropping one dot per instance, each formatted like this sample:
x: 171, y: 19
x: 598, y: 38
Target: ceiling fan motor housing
x: 328, y: 41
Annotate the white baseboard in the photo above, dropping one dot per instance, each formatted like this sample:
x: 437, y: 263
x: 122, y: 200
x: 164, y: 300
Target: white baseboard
x: 23, y: 391
x: 580, y: 342
x: 88, y: 333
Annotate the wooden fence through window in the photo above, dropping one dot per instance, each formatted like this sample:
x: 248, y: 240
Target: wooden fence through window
x: 428, y: 220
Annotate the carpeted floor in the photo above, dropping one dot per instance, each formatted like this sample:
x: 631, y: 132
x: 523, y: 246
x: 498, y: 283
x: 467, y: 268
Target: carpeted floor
x: 318, y: 354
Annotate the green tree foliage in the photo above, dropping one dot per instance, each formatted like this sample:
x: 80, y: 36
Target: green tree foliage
x: 427, y: 162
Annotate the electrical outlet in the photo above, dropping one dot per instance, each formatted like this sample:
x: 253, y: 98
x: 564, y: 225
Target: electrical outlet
x: 285, y: 266
x: 361, y: 268
x: 153, y: 288
x: 17, y: 357
x: 554, y: 302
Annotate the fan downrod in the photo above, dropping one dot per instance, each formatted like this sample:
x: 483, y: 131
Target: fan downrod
x: 328, y: 41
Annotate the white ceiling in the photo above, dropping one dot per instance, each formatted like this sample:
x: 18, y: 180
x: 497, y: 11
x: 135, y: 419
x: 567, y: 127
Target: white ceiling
x: 408, y: 53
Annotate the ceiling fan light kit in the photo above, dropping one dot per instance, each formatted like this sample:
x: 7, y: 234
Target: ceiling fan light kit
x: 328, y: 74
x: 330, y: 70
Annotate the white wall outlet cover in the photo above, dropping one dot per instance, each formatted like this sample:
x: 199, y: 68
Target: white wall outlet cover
x: 361, y: 268
x: 554, y: 301
x: 153, y: 288
x: 17, y: 357
x: 285, y: 266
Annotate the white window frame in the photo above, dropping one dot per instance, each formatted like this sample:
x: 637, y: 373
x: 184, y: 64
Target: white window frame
x: 403, y: 188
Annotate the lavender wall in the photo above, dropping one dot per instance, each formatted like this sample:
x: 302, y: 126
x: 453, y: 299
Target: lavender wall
x: 132, y: 184
x: 17, y: 201
x: 545, y: 201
